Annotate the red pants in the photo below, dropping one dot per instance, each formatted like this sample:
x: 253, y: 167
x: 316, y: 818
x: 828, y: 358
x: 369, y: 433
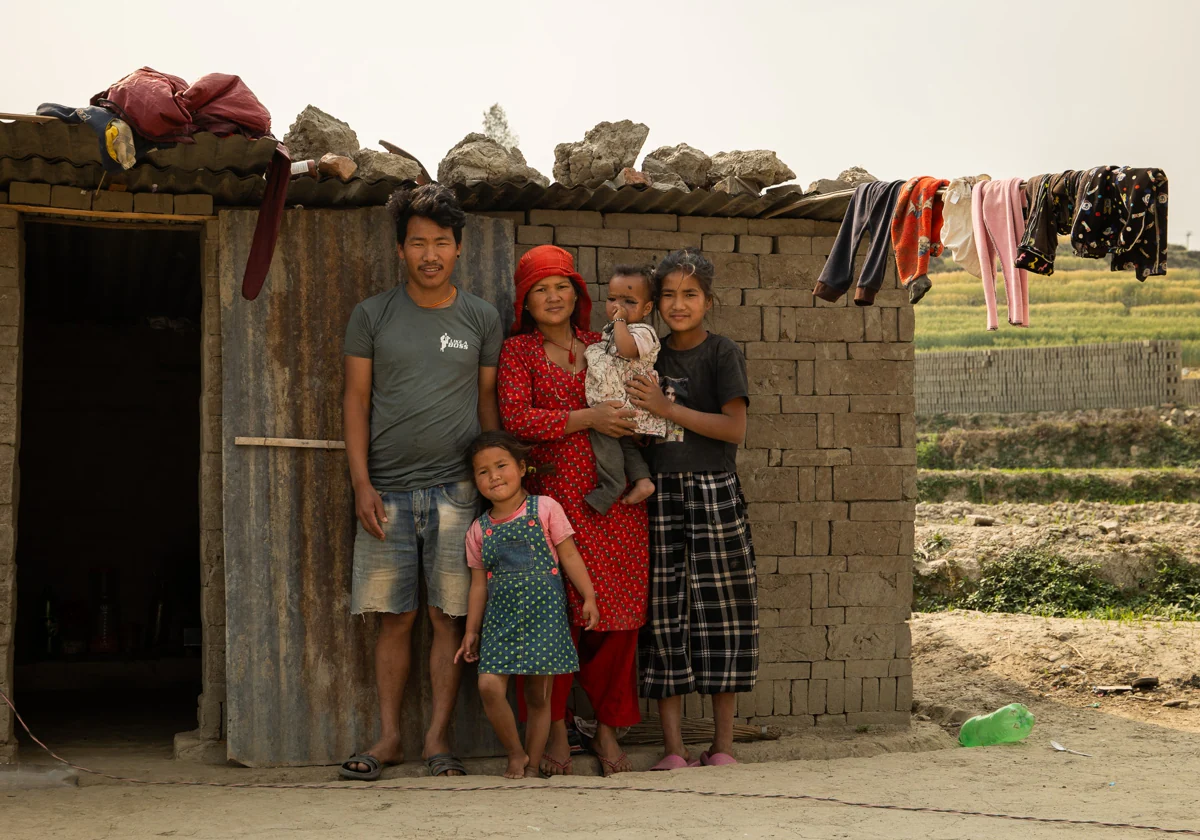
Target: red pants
x: 607, y: 675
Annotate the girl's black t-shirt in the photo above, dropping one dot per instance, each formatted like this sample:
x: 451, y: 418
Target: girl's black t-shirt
x: 703, y: 378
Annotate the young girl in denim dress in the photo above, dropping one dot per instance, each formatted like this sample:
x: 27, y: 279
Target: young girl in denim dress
x: 517, y: 615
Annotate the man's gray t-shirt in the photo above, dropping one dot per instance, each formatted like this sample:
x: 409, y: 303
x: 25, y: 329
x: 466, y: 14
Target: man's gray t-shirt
x: 424, y: 384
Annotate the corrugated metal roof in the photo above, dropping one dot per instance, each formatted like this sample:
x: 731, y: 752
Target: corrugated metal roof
x: 227, y: 188
x: 230, y: 169
x: 484, y: 197
x: 77, y: 144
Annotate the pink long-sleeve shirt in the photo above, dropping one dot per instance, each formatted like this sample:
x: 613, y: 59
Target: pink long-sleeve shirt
x: 999, y: 225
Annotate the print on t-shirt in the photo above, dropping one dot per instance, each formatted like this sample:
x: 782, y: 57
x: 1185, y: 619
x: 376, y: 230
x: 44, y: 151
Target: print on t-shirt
x: 674, y: 387
x: 453, y: 343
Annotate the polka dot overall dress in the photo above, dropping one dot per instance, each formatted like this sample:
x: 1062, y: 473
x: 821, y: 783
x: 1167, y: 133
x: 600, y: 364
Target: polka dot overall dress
x: 525, y: 628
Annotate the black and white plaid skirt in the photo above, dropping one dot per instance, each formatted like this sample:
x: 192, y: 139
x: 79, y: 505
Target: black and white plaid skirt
x: 702, y: 632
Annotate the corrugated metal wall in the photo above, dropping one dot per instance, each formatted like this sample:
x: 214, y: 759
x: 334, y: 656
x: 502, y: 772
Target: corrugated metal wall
x: 300, y: 677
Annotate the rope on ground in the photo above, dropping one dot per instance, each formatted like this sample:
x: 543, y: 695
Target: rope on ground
x: 797, y: 797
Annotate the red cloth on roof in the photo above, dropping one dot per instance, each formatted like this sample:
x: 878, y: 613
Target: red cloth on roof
x: 270, y: 218
x: 166, y: 109
x: 223, y: 104
x: 147, y: 100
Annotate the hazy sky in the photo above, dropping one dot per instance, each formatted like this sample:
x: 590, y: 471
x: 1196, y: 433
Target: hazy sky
x: 902, y: 88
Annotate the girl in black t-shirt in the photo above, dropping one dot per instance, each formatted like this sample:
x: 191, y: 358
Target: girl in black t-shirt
x: 702, y: 632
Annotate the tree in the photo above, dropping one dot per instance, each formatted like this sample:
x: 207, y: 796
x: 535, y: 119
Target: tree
x: 495, y: 126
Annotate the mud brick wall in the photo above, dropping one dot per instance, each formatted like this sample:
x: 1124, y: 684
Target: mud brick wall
x: 828, y: 466
x: 1125, y: 375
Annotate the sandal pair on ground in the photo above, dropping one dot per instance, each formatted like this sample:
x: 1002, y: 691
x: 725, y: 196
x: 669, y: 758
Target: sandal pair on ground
x: 566, y: 768
x: 706, y: 759
x: 442, y: 764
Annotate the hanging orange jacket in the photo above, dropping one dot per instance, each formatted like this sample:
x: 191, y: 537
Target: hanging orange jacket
x: 917, y: 232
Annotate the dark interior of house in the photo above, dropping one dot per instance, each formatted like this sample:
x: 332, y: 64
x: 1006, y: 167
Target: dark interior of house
x: 108, y: 556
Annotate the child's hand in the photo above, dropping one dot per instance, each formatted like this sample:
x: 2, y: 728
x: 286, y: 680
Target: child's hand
x: 591, y: 613
x: 644, y: 392
x: 468, y: 651
x: 614, y: 310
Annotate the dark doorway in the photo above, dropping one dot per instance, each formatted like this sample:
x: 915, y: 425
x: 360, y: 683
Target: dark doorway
x: 108, y: 559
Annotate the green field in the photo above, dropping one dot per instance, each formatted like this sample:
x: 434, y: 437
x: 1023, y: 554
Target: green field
x: 1069, y: 307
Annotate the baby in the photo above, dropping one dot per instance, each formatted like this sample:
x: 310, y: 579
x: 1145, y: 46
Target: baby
x: 629, y: 348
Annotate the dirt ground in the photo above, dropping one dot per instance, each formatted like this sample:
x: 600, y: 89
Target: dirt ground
x: 1071, y: 529
x: 1146, y: 760
x: 970, y: 661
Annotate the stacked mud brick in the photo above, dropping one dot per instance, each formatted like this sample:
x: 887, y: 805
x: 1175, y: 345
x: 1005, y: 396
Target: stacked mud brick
x: 10, y: 328
x: 828, y: 464
x: 1189, y: 391
x: 1127, y: 375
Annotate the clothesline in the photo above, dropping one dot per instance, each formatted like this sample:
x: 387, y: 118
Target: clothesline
x: 1117, y: 211
x: 942, y: 190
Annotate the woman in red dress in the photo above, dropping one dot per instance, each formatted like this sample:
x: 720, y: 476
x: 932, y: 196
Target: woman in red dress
x: 541, y: 388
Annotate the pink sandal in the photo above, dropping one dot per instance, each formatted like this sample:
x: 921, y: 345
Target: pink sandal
x: 674, y: 762
x: 717, y: 759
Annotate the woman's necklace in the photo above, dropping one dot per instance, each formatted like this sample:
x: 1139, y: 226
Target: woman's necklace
x: 442, y: 302
x: 570, y: 350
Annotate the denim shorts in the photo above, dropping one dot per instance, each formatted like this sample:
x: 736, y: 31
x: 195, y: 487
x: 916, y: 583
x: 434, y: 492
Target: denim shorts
x: 426, y: 532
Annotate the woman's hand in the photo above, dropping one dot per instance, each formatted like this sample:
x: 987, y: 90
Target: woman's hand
x: 590, y: 613
x: 468, y: 651
x: 609, y: 418
x: 644, y: 393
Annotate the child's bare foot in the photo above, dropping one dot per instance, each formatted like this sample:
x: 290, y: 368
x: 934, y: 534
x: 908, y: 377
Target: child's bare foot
x: 642, y: 490
x: 516, y: 766
x: 532, y: 773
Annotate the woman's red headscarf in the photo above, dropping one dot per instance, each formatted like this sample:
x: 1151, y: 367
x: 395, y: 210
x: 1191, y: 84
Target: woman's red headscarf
x: 551, y: 261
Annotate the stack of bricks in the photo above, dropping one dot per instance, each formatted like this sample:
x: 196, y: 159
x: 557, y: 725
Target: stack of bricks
x: 1126, y: 375
x: 10, y: 329
x: 1189, y: 391
x: 108, y: 201
x: 828, y: 466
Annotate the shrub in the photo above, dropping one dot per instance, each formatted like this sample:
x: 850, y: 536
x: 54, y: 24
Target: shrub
x: 1042, y: 583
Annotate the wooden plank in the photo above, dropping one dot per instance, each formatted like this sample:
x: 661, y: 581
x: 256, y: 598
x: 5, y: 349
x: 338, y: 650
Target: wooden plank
x: 43, y: 210
x: 294, y: 443
x: 300, y: 675
x: 33, y: 118
x: 103, y: 225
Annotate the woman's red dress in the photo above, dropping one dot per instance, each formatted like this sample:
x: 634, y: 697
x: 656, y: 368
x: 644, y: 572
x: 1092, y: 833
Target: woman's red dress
x: 536, y: 397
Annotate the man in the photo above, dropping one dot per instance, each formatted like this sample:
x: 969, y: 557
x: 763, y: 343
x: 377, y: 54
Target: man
x: 420, y: 385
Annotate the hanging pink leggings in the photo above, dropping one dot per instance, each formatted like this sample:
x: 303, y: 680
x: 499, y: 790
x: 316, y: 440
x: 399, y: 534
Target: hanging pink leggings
x: 999, y: 226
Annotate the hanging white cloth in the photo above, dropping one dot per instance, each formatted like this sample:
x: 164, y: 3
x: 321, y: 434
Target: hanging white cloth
x: 958, y: 234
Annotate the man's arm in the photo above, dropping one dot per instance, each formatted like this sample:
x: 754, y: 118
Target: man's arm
x: 356, y: 427
x: 489, y: 406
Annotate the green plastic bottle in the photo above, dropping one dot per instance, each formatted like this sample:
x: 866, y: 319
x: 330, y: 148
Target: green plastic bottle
x: 1004, y: 726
